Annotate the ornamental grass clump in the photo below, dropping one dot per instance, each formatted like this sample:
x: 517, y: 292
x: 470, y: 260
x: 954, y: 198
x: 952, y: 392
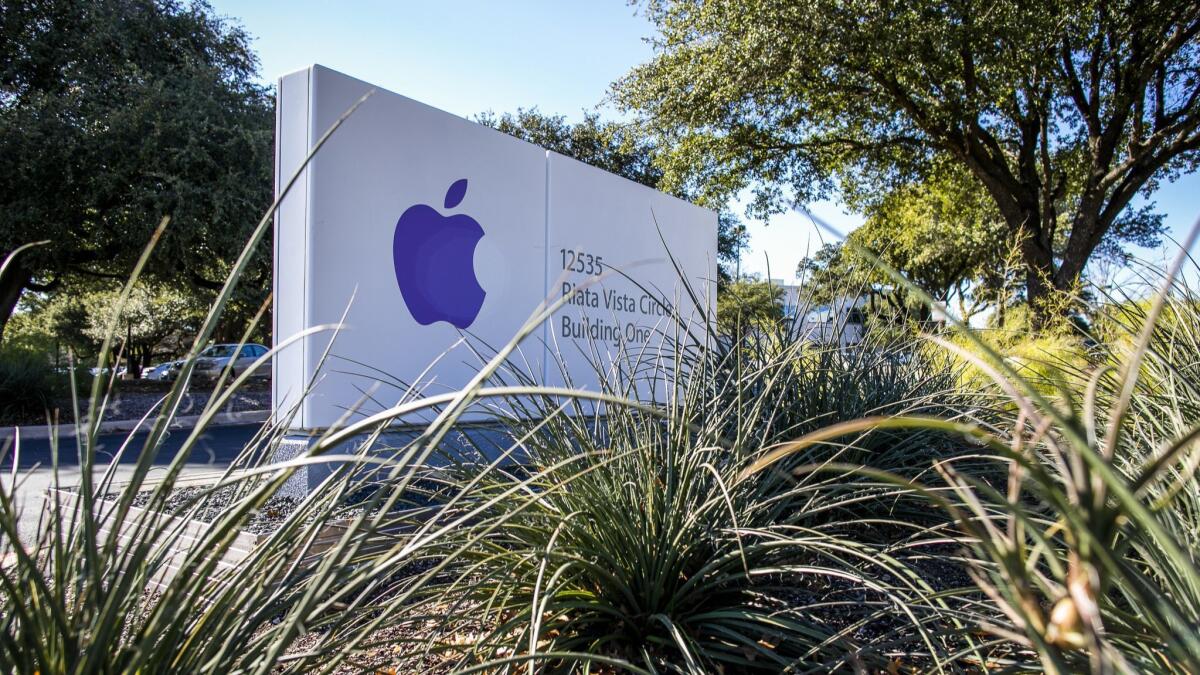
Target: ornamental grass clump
x: 1086, y: 553
x: 778, y: 386
x: 631, y: 538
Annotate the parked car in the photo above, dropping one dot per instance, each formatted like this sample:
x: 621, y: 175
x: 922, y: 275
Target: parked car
x: 160, y: 372
x: 213, y: 360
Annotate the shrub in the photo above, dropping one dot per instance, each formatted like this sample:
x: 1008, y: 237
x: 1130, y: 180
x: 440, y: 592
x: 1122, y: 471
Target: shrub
x: 631, y: 537
x: 29, y: 387
x: 747, y: 304
x: 1043, y: 359
x: 777, y: 388
x: 1087, y: 553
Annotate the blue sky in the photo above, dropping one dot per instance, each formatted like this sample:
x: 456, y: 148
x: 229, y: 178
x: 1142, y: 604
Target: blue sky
x: 559, y: 56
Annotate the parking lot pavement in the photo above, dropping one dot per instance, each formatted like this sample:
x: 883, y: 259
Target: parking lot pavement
x: 216, y: 448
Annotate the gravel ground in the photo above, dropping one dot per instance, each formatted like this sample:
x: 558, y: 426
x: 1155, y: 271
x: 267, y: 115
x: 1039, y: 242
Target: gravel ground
x: 266, y: 520
x: 392, y: 648
x: 828, y: 602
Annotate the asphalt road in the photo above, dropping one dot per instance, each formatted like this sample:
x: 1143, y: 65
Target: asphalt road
x: 216, y: 448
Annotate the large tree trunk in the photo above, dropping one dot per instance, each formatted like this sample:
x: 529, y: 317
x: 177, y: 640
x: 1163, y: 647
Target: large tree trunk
x: 1046, y: 278
x: 1040, y: 280
x: 1027, y: 225
x: 1039, y: 290
x: 133, y: 365
x: 1041, y: 274
x: 1087, y: 230
x: 15, y: 279
x: 1031, y: 220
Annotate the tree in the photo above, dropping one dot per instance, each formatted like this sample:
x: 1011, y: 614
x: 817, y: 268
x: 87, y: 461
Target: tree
x: 836, y: 275
x: 617, y: 149
x: 832, y: 272
x: 1063, y: 111
x: 944, y: 235
x: 155, y: 320
x: 114, y: 113
x: 748, y: 303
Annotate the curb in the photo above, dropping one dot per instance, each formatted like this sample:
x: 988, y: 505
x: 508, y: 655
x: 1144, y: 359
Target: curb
x: 117, y: 426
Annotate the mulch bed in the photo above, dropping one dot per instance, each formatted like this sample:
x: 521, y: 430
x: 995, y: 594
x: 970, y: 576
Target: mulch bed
x: 832, y: 603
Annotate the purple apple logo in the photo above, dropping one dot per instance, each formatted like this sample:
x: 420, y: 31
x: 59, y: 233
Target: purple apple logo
x: 434, y: 262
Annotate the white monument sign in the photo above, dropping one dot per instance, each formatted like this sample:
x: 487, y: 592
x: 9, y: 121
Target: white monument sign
x: 412, y: 227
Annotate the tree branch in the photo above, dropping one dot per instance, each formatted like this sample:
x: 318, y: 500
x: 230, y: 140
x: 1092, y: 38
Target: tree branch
x: 99, y: 275
x: 1075, y: 87
x: 203, y: 282
x: 48, y: 287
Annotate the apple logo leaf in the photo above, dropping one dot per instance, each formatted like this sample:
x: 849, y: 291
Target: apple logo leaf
x: 458, y: 190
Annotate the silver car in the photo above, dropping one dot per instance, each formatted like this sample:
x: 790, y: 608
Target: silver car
x: 160, y: 372
x: 213, y: 360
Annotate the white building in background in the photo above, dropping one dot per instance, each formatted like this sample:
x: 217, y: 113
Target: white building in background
x: 840, y: 321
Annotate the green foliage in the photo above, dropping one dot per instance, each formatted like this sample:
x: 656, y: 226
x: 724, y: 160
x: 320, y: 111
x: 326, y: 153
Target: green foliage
x: 147, y: 315
x: 815, y: 384
x: 1062, y: 112
x: 945, y: 235
x: 749, y: 303
x: 1042, y: 355
x: 837, y: 273
x: 113, y: 114
x: 153, y: 321
x: 605, y: 145
x: 62, y: 317
x: 828, y: 273
x: 1041, y: 358
x: 156, y: 321
x: 31, y: 329
x: 29, y: 386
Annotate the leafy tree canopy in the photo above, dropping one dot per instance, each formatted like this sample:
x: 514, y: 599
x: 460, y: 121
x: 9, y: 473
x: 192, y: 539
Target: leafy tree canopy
x: 746, y: 303
x: 114, y: 113
x: 944, y: 235
x: 1061, y: 111
x: 157, y: 321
